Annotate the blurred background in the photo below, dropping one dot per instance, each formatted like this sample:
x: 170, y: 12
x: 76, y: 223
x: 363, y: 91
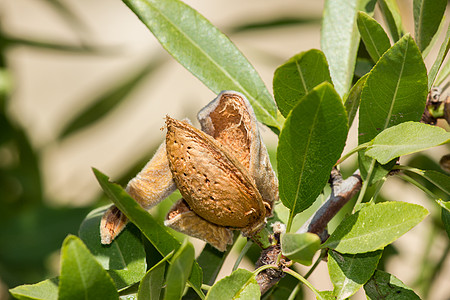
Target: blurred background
x: 85, y: 84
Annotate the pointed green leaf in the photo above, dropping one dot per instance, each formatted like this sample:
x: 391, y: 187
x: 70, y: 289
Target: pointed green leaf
x: 310, y: 143
x: 153, y: 281
x: 443, y: 74
x: 111, y: 98
x: 206, y: 52
x: 157, y: 234
x: 44, y: 290
x: 427, y: 17
x: 439, y: 59
x: 241, y: 284
x: 349, y: 272
x: 82, y: 277
x: 340, y: 39
x: 383, y: 285
x: 375, y: 226
x: 440, y: 180
x: 445, y: 215
x: 406, y: 138
x: 392, y: 16
x: 297, y: 77
x: 300, y: 247
x: 179, y: 270
x: 353, y: 99
x: 124, y: 258
x: 395, y: 91
x: 373, y: 35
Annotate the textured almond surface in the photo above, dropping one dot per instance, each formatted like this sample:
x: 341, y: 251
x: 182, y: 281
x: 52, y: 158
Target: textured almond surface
x: 214, y: 183
x: 231, y: 121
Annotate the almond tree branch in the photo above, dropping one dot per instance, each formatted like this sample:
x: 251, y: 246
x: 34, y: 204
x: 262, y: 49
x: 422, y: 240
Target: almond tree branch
x: 341, y: 192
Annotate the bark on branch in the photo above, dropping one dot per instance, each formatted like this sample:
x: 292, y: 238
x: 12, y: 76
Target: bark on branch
x: 341, y: 192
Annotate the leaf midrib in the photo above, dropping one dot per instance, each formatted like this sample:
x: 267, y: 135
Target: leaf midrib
x: 306, y: 151
x: 394, y: 97
x: 213, y: 61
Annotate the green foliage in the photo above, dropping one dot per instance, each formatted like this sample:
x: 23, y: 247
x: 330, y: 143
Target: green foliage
x: 44, y: 290
x: 402, y: 74
x: 241, y: 284
x: 152, y: 283
x: 124, y: 258
x: 405, y: 138
x: 82, y: 277
x: 349, y: 272
x: 373, y: 35
x: 427, y: 17
x: 146, y: 261
x: 393, y: 18
x: 206, y: 52
x: 300, y: 247
x: 383, y: 285
x: 316, y: 128
x: 297, y: 77
x: 339, y: 39
x: 375, y: 226
x: 179, y: 271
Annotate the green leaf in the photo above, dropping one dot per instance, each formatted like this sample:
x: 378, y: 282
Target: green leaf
x: 111, y: 98
x: 427, y: 17
x: 44, y: 290
x: 439, y: 59
x: 373, y: 35
x: 297, y: 77
x: 441, y: 180
x: 124, y: 258
x: 340, y: 39
x: 349, y: 272
x: 443, y: 74
x: 317, y: 129
x: 157, y: 234
x: 206, y: 52
x: 353, y: 99
x: 383, y: 285
x: 375, y: 226
x: 179, y: 270
x: 445, y: 215
x: 152, y: 283
x: 82, y: 277
x: 406, y: 138
x: 300, y: 247
x: 241, y: 284
x: 392, y: 16
x: 395, y: 91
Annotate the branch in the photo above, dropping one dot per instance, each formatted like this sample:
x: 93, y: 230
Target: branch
x: 341, y: 192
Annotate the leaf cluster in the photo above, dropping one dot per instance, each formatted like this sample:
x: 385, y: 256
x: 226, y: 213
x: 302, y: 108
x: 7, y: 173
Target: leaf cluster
x: 316, y: 98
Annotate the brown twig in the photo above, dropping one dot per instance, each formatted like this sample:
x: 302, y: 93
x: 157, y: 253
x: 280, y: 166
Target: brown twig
x: 341, y: 192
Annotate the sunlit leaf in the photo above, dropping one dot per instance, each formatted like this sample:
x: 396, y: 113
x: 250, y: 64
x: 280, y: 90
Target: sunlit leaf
x: 206, y: 52
x: 310, y: 143
x: 405, y: 138
x: 427, y: 17
x: 375, y: 226
x: 383, y: 285
x: 340, y: 39
x: 297, y: 77
x: 300, y: 247
x: 82, y: 277
x: 44, y: 290
x: 348, y: 272
x: 124, y: 258
x: 445, y: 46
x: 373, y: 35
x: 392, y: 16
x: 241, y: 284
